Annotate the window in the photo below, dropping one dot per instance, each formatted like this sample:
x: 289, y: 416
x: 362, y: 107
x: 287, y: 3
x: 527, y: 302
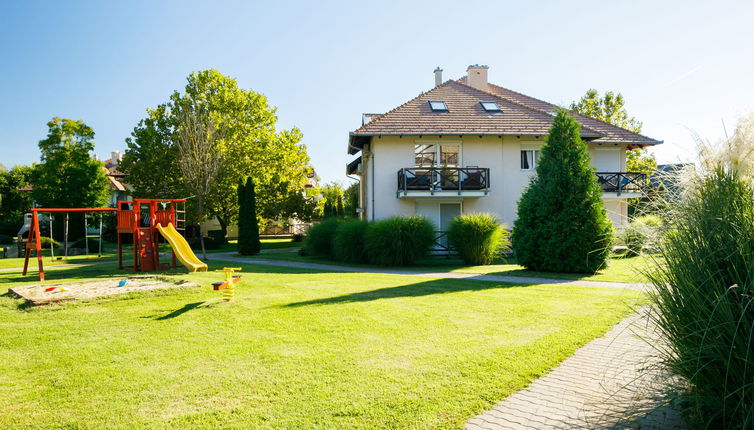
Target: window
x: 490, y: 106
x: 529, y: 159
x: 438, y: 106
x: 424, y: 155
x: 437, y: 155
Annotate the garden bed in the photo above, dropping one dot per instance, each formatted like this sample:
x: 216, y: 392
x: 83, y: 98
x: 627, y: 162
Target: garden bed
x: 42, y: 294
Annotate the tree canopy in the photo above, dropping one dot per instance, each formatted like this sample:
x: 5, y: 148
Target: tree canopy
x: 276, y: 160
x: 14, y: 202
x: 611, y: 109
x: 68, y: 176
x: 561, y: 224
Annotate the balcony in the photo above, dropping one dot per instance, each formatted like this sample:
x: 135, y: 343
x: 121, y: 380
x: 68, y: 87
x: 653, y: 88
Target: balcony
x: 443, y: 181
x: 625, y: 184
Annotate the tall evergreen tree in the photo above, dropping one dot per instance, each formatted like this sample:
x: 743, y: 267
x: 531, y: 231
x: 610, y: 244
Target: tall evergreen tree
x: 248, y: 226
x: 561, y: 224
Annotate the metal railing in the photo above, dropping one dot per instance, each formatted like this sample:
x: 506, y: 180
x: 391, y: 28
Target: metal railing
x: 622, y: 182
x: 435, y: 179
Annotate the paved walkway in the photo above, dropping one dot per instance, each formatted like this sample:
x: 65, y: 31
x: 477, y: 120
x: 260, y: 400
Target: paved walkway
x: 614, y: 382
x: 426, y: 273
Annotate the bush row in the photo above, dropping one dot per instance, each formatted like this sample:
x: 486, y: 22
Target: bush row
x: 401, y: 241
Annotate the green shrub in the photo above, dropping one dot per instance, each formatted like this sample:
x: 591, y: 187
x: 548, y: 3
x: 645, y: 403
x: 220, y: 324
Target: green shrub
x: 5, y: 239
x: 478, y: 238
x: 319, y: 239
x: 649, y: 220
x: 643, y: 231
x: 634, y: 238
x: 399, y: 241
x: 561, y: 224
x: 349, y: 243
x: 704, y: 300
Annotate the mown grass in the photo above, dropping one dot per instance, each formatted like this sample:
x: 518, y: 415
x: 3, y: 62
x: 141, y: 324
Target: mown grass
x: 619, y: 269
x: 295, y: 349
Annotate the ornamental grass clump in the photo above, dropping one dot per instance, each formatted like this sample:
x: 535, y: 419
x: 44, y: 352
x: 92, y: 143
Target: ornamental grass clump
x: 319, y: 238
x: 704, y: 286
x: 478, y: 238
x: 399, y: 241
x: 349, y: 243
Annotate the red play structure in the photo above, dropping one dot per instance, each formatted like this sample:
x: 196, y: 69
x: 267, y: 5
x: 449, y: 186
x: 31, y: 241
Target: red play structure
x: 137, y: 217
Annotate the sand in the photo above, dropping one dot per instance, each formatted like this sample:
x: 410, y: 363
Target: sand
x: 62, y: 292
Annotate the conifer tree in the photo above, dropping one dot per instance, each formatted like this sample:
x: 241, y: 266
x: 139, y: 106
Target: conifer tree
x: 561, y: 224
x: 248, y: 226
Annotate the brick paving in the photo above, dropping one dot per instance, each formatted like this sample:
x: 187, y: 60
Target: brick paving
x: 613, y: 382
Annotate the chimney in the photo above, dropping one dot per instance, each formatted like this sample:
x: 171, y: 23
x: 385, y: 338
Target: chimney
x: 476, y: 76
x: 438, y: 76
x: 115, y: 158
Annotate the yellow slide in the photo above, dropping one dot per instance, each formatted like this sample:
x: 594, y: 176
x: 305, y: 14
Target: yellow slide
x: 182, y: 249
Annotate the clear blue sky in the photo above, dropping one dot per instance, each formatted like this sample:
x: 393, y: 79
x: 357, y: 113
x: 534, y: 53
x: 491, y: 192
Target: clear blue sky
x: 682, y: 66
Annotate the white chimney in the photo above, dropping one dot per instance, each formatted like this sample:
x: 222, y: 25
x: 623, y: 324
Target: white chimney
x: 438, y: 76
x: 476, y: 76
x: 115, y: 158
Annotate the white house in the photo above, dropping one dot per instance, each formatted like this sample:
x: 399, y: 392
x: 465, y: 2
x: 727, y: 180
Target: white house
x: 471, y: 146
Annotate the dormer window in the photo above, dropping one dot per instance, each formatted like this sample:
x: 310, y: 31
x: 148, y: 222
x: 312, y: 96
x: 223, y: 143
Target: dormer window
x: 490, y: 107
x: 438, y: 106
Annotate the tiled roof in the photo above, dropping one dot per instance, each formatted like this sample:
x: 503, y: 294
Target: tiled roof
x: 521, y: 116
x: 465, y: 115
x: 612, y: 133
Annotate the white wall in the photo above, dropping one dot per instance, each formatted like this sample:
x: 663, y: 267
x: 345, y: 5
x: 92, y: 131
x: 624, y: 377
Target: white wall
x: 500, y: 154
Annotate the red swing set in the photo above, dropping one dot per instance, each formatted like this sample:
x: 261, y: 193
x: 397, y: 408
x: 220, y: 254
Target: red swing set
x: 145, y: 220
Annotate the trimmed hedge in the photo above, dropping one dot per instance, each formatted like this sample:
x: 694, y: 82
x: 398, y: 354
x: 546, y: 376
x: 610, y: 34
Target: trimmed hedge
x: 349, y: 242
x: 478, y: 238
x: 319, y: 239
x: 399, y: 241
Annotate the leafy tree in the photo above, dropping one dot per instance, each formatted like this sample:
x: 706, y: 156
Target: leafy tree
x: 13, y: 202
x: 68, y: 176
x: 151, y: 157
x: 611, y: 109
x: 277, y: 161
x: 200, y: 162
x: 332, y: 198
x: 248, y: 225
x: 351, y: 197
x: 561, y: 224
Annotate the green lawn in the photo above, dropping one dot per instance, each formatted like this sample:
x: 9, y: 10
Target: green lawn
x: 618, y: 270
x: 296, y: 349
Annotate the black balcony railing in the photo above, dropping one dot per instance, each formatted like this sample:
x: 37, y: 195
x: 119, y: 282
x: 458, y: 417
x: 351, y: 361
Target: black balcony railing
x: 622, y: 182
x: 435, y: 179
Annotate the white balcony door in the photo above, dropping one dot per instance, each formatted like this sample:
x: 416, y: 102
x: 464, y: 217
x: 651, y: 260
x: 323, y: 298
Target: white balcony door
x: 606, y: 159
x: 448, y: 211
x: 440, y: 214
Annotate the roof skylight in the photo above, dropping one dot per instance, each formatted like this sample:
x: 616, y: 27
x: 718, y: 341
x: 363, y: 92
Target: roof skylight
x: 490, y: 106
x: 438, y: 106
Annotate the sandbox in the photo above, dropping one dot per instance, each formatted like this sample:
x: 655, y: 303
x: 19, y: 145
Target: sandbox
x: 41, y: 294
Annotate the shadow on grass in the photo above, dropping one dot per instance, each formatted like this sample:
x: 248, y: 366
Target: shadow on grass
x: 181, y: 311
x: 419, y: 289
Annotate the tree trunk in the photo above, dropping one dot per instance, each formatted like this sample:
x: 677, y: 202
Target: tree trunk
x: 200, y: 207
x: 223, y: 229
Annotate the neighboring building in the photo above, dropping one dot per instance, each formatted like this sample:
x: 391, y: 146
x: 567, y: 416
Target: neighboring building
x: 119, y: 190
x: 470, y: 146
